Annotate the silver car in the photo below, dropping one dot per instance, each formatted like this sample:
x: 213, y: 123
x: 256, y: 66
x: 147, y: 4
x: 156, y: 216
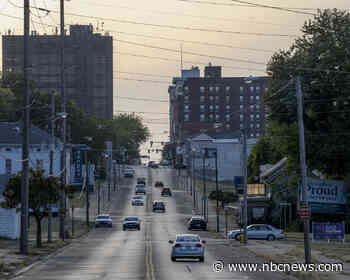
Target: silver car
x: 137, y: 200
x: 258, y: 231
x: 187, y: 246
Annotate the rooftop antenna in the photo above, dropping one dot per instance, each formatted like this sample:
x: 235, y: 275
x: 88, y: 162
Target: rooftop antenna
x: 181, y: 56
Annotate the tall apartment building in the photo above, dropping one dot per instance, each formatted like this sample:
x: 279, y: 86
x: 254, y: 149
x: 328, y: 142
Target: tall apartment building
x: 216, y: 104
x: 88, y: 66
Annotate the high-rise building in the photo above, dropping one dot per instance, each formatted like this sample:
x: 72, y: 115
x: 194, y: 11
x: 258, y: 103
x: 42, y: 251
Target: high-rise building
x: 216, y: 104
x: 88, y: 66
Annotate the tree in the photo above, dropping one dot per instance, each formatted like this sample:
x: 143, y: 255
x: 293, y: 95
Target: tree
x: 321, y: 58
x: 42, y: 192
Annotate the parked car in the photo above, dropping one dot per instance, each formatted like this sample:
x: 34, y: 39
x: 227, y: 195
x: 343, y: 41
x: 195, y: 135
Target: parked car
x: 158, y: 206
x: 159, y: 184
x: 187, y: 246
x: 258, y: 231
x: 129, y: 173
x: 150, y: 163
x: 140, y: 189
x: 141, y: 181
x: 197, y: 222
x: 103, y: 220
x: 164, y: 163
x: 137, y: 200
x: 166, y: 192
x: 131, y: 223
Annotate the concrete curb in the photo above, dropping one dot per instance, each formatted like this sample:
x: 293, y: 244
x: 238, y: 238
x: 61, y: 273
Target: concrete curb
x: 40, y: 260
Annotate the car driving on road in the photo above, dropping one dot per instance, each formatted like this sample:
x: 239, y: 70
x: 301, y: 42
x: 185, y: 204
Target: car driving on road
x: 141, y: 181
x: 158, y: 206
x: 140, y: 189
x: 131, y: 223
x: 166, y: 192
x: 137, y: 200
x: 129, y: 173
x: 197, y: 222
x: 159, y: 184
x: 103, y: 220
x: 187, y: 246
x: 258, y: 231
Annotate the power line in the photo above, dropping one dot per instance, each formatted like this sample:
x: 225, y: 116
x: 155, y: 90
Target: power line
x: 192, y: 42
x: 273, y: 7
x: 141, y: 99
x: 145, y: 74
x: 140, y: 80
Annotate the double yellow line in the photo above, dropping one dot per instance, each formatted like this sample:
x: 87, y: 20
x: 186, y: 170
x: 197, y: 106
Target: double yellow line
x: 148, y: 254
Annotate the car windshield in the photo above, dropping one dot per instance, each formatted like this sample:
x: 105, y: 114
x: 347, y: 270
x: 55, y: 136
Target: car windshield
x: 185, y: 238
x: 132, y: 219
x: 102, y: 217
x: 137, y: 197
x: 140, y: 186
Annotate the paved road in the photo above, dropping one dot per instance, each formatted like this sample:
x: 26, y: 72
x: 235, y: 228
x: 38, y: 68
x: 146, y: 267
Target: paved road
x: 107, y: 254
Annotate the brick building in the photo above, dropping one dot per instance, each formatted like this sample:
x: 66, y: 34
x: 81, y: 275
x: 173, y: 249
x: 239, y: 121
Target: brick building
x: 216, y: 103
x: 88, y: 66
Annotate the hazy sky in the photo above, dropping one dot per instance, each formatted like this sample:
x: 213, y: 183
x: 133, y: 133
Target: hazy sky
x: 219, y: 15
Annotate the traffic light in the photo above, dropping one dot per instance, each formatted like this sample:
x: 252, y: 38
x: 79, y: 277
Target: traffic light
x: 162, y: 143
x: 149, y: 151
x: 151, y: 143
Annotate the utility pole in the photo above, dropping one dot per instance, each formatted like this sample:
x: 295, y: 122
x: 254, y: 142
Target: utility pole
x: 217, y: 192
x: 64, y: 122
x: 304, y: 201
x: 49, y: 215
x: 25, y: 140
x: 87, y: 189
x: 204, y: 200
x: 245, y: 174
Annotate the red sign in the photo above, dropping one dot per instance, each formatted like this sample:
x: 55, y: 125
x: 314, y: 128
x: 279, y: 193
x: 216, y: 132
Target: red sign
x: 304, y: 212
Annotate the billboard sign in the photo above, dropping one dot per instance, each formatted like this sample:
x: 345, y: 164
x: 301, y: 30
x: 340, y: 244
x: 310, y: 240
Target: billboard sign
x: 78, y: 166
x: 328, y: 231
x: 238, y: 182
x: 325, y: 196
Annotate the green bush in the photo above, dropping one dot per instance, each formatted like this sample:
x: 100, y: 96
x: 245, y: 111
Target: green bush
x: 224, y: 197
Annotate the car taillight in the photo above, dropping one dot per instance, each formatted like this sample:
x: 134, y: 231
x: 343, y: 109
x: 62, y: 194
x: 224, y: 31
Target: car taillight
x: 198, y: 245
x: 177, y: 245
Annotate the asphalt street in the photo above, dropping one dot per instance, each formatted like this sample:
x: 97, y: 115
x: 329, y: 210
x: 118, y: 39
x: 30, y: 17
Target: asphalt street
x: 110, y: 253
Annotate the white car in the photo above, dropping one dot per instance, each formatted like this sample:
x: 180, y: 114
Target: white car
x: 187, y: 246
x: 131, y: 223
x: 103, y: 220
x: 258, y: 231
x: 137, y: 200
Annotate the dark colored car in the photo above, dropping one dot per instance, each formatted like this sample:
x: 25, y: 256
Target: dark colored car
x: 166, y: 192
x: 197, y: 223
x: 158, y: 206
x: 159, y: 184
x: 141, y: 181
x: 140, y: 189
x: 131, y: 223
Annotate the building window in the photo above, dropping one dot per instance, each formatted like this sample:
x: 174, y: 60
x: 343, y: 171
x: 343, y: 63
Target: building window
x: 251, y: 89
x: 217, y: 108
x: 227, y: 98
x: 241, y: 126
x: 251, y: 117
x: 257, y: 107
x: 258, y: 125
x: 228, y: 126
x: 202, y: 117
x: 217, y: 88
x: 241, y: 89
x: 257, y: 97
x: 202, y: 89
x: 186, y: 98
x: 228, y: 117
x: 241, y: 117
x: 257, y: 116
x: 251, y: 98
x: 227, y: 88
x: 217, y: 98
x: 211, y: 117
x: 241, y: 98
x: 251, y: 134
x: 257, y: 88
x: 217, y: 117
x: 8, y: 166
x: 201, y: 98
x: 186, y: 117
x: 211, y: 88
x: 228, y: 107
x: 241, y: 107
x: 251, y: 107
x: 251, y: 125
x: 211, y: 108
x: 187, y: 108
x: 211, y: 98
x: 202, y: 108
x: 39, y: 164
x: 257, y: 134
x: 186, y: 88
x: 266, y: 89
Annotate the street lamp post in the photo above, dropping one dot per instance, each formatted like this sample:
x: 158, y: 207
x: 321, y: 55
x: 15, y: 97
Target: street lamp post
x: 217, y: 192
x: 204, y: 199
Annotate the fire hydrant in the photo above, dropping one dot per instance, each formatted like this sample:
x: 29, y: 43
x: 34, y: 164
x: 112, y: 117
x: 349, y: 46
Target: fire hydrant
x: 241, y: 238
